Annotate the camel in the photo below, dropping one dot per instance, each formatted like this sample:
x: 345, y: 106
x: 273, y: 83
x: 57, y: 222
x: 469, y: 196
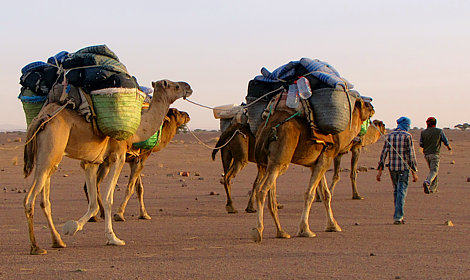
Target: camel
x: 287, y: 140
x: 373, y: 134
x: 235, y: 156
x: 173, y: 120
x: 69, y: 134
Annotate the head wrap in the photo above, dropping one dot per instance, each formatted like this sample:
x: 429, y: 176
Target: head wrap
x: 431, y: 122
x: 404, y: 123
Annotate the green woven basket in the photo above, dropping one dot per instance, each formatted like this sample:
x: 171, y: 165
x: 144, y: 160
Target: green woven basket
x: 32, y: 103
x: 31, y: 110
x: 118, y: 111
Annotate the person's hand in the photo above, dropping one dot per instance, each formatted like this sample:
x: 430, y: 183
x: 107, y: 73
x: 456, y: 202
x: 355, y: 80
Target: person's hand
x: 379, y: 174
x: 415, y: 176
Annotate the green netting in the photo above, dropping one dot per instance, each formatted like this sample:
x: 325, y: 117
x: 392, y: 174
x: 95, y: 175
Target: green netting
x: 118, y: 113
x: 150, y: 143
x: 31, y: 110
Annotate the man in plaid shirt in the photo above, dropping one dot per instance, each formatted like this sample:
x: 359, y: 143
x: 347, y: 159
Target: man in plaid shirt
x: 399, y: 148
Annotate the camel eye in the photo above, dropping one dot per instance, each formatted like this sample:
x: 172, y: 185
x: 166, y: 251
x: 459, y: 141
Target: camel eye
x: 177, y: 86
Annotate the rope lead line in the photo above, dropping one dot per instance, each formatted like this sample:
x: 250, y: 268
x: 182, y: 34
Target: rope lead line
x: 215, y: 148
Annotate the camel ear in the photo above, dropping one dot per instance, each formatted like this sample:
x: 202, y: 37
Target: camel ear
x: 154, y: 84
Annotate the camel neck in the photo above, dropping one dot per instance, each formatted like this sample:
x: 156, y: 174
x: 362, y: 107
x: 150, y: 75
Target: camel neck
x: 152, y: 119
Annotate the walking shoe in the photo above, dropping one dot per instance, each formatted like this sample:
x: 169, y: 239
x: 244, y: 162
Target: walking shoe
x: 399, y: 222
x: 426, y: 187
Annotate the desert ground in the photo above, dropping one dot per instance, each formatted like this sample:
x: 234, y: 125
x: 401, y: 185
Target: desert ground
x: 191, y: 236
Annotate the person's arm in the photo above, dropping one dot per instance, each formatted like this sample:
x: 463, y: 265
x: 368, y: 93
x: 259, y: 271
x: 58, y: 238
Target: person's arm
x: 421, y: 144
x: 445, y: 141
x: 383, y: 157
x: 413, y: 164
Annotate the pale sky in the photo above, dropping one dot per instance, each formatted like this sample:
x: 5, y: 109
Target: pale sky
x: 410, y: 56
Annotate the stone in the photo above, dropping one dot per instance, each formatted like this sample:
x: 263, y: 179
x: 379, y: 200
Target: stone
x: 65, y: 175
x: 362, y: 169
x: 213, y: 193
x: 197, y: 174
x: 449, y: 223
x: 468, y: 179
x: 452, y: 162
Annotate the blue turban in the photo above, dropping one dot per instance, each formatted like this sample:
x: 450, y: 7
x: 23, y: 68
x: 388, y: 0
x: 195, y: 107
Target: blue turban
x: 404, y: 123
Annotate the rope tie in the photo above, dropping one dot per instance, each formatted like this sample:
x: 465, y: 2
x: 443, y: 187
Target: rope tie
x: 215, y: 148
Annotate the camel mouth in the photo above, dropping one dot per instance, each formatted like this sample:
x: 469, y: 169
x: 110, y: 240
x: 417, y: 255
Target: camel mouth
x: 187, y: 93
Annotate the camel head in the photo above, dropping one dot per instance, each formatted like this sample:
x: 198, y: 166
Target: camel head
x: 179, y: 117
x: 365, y: 108
x: 171, y: 90
x: 379, y: 125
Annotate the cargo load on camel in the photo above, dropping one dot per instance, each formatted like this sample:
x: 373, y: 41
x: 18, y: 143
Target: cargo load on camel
x: 94, y: 81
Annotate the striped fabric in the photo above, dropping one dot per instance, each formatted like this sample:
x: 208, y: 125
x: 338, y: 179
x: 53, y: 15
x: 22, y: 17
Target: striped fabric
x: 402, y: 155
x: 319, y: 69
x: 33, y: 65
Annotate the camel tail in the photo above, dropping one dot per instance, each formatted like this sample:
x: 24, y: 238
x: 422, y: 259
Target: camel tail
x: 31, y: 147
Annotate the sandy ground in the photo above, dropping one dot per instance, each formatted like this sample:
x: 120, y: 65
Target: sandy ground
x: 191, y: 236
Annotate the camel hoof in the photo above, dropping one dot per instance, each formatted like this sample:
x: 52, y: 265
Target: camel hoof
x: 280, y: 206
x: 145, y: 217
x: 93, y: 219
x: 317, y: 199
x: 115, y: 242
x: 118, y: 217
x: 334, y: 228
x: 283, y: 235
x: 58, y: 244
x: 37, y: 251
x: 306, y: 233
x: 70, y: 227
x: 250, y: 210
x: 230, y: 209
x: 256, y: 235
x: 357, y: 197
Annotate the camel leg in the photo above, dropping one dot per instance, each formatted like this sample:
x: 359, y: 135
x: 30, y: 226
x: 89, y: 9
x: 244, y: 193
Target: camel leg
x: 102, y: 173
x: 354, y: 161
x: 140, y: 195
x: 117, y: 162
x: 336, y: 173
x: 251, y: 201
x: 39, y: 181
x: 231, y: 168
x: 136, y: 168
x: 262, y: 189
x: 46, y: 208
x: 91, y: 170
x: 332, y: 225
x: 272, y: 203
x: 318, y: 171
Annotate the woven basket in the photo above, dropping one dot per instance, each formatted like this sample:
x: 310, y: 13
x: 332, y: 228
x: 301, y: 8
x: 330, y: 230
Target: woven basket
x: 118, y: 111
x: 32, y: 103
x: 255, y: 112
x: 332, y: 109
x: 31, y: 110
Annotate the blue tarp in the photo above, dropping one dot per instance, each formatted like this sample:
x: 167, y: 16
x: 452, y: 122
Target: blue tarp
x: 319, y: 69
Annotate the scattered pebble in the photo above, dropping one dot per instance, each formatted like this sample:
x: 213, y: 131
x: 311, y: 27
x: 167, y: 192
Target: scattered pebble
x: 185, y: 174
x: 397, y: 277
x: 65, y: 175
x: 14, y: 161
x: 184, y: 185
x: 452, y: 162
x: 449, y: 223
x: 17, y: 140
x: 468, y: 179
x: 160, y: 165
x: 372, y: 255
x: 195, y: 198
x: 169, y: 175
x: 161, y: 210
x: 19, y: 191
x: 362, y: 169
x: 80, y: 270
x: 201, y: 178
x: 356, y: 224
x: 197, y: 174
x: 213, y: 193
x: 24, y: 190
